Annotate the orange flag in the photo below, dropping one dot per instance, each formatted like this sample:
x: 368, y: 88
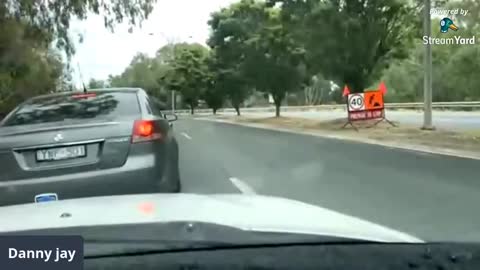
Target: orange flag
x: 382, y: 88
x: 346, y: 91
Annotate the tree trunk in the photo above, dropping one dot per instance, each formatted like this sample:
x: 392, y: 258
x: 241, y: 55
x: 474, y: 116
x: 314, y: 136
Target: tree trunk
x: 277, y: 110
x: 277, y: 99
x: 192, y: 109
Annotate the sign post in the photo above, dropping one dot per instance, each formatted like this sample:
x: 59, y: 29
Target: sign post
x: 366, y: 106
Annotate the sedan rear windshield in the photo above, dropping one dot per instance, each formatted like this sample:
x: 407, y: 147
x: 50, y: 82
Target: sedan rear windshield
x: 75, y: 106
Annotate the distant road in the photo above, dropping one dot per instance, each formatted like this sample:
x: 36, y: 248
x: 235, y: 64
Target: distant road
x: 441, y: 119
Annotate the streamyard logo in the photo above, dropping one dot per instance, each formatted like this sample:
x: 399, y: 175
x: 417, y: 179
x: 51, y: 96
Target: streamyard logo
x: 446, y: 26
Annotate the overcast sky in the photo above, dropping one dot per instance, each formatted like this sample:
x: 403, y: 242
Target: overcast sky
x: 103, y: 53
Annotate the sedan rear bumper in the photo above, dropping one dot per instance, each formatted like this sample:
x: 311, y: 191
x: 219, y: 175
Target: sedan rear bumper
x: 138, y: 175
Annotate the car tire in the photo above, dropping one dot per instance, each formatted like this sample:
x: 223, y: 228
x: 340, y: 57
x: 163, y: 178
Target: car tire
x: 176, y: 170
x: 178, y: 183
x: 171, y: 182
x: 175, y: 176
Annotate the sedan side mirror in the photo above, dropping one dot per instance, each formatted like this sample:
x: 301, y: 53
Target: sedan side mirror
x: 171, y: 117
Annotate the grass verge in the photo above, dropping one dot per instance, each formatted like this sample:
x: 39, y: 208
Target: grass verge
x: 468, y: 141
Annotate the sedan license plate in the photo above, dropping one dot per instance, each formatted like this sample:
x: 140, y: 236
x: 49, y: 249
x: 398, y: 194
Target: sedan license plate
x: 61, y: 153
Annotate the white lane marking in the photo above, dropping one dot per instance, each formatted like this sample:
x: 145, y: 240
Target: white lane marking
x: 186, y: 135
x: 242, y: 186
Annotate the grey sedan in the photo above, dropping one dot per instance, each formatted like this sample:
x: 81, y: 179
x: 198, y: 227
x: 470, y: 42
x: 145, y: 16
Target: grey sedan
x: 83, y: 144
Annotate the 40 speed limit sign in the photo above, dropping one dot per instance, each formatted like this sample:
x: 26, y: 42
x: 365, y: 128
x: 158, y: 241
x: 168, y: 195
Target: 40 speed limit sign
x: 356, y: 102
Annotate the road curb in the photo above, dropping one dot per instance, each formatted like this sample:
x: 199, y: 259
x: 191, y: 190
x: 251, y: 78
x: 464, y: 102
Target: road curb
x: 409, y: 147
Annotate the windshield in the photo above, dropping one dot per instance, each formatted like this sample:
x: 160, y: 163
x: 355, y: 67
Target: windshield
x: 351, y: 119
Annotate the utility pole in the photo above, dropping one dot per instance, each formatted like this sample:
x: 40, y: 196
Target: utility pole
x: 171, y: 41
x: 427, y: 64
x: 173, y: 101
x: 81, y: 77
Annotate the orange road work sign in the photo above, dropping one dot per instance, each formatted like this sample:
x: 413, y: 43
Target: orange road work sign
x: 367, y: 105
x: 373, y: 100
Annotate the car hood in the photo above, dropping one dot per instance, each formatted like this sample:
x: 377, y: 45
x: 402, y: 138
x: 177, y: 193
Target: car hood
x: 247, y: 212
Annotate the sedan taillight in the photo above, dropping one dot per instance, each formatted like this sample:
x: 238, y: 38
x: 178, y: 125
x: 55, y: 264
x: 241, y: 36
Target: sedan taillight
x: 144, y: 130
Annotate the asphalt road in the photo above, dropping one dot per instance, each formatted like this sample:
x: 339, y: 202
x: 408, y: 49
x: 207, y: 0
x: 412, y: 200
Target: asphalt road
x: 441, y: 119
x: 429, y: 196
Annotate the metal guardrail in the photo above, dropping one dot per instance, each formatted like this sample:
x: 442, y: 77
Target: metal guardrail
x: 408, y: 105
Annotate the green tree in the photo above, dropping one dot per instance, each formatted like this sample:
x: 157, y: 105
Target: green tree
x: 351, y: 41
x: 236, y: 86
x: 214, y: 94
x: 96, y: 84
x: 143, y: 72
x: 461, y: 75
x: 454, y: 69
x: 165, y: 54
x: 54, y: 17
x: 188, y: 73
x: 28, y: 67
x: 254, y: 50
x: 275, y: 60
x: 231, y: 28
